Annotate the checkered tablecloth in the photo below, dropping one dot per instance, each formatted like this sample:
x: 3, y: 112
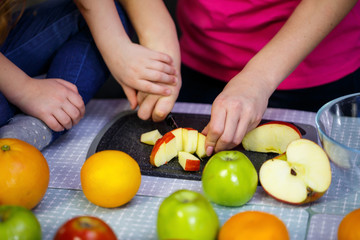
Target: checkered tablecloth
x: 137, y: 220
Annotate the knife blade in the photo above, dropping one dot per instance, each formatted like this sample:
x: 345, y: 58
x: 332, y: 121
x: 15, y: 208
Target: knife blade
x: 171, y: 121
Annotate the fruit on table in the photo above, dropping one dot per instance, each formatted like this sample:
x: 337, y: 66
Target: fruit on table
x: 273, y: 136
x: 229, y: 178
x: 178, y: 140
x: 349, y: 226
x: 110, y: 178
x: 188, y: 161
x: 253, y: 225
x: 164, y: 150
x: 188, y: 215
x: 150, y: 137
x: 200, y: 148
x: 189, y: 138
x: 24, y: 173
x: 85, y: 228
x: 178, y: 133
x: 17, y: 222
x: 299, y: 176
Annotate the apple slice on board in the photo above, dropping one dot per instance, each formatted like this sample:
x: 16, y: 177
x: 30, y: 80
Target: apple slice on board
x: 200, y: 148
x: 164, y: 150
x: 188, y: 161
x: 178, y: 133
x: 299, y: 176
x: 190, y: 138
x: 151, y: 137
x: 273, y: 136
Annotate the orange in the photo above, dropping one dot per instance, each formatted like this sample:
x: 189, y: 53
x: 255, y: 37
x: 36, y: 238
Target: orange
x: 349, y: 226
x: 253, y: 225
x: 24, y: 173
x: 110, y: 178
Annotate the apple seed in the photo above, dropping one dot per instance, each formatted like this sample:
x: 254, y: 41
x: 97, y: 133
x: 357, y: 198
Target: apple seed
x: 293, y: 172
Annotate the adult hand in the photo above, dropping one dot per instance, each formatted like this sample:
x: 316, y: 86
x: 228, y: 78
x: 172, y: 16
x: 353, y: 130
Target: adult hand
x: 236, y: 110
x: 55, y: 101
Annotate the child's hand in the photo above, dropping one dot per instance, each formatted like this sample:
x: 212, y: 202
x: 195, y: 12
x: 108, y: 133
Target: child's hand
x: 157, y: 107
x: 55, y: 101
x: 138, y: 68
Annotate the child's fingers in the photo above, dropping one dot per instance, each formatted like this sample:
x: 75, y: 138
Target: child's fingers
x: 163, y: 57
x: 162, y: 67
x: 159, y: 77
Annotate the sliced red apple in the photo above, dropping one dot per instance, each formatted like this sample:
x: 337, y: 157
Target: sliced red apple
x: 190, y: 138
x: 188, y: 161
x: 178, y: 133
x: 299, y: 176
x: 150, y: 137
x: 164, y: 150
x: 273, y: 136
x: 200, y: 148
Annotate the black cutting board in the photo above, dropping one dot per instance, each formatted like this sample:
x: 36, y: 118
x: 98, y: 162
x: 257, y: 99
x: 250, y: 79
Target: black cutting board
x: 124, y: 131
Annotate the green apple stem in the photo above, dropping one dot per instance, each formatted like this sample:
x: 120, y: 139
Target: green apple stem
x: 5, y: 148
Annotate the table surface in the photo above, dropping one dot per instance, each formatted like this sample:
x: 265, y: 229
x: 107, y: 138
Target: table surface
x: 137, y: 219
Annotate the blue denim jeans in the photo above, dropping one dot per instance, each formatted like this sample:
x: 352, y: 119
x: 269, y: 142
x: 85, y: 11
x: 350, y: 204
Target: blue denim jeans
x: 52, y: 38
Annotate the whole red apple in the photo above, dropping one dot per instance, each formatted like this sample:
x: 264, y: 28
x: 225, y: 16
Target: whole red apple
x: 85, y: 228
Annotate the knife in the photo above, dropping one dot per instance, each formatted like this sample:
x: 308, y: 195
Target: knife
x: 171, y: 121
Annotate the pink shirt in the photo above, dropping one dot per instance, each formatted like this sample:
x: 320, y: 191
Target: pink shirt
x: 220, y: 36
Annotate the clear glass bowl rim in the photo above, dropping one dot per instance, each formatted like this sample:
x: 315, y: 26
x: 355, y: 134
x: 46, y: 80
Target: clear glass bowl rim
x: 327, y: 106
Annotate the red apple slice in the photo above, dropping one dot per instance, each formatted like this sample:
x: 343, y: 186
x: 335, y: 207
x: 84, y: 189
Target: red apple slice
x: 200, y: 148
x: 150, y: 137
x: 164, y: 150
x: 273, y: 136
x: 179, y: 138
x: 190, y: 138
x: 188, y: 161
x: 299, y: 176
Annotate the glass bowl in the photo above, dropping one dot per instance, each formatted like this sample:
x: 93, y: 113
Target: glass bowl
x: 338, y: 125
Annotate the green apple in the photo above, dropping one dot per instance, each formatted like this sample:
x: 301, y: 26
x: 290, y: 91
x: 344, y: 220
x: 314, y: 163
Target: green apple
x: 19, y: 223
x: 229, y: 178
x: 188, y: 215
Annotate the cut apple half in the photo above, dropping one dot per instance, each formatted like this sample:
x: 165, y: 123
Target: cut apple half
x: 273, y: 136
x: 151, y: 137
x: 301, y: 175
x: 188, y: 161
x: 190, y: 138
x: 164, y: 150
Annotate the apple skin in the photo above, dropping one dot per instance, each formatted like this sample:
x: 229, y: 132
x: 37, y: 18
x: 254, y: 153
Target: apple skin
x: 188, y: 161
x: 17, y: 222
x: 229, y: 178
x: 158, y: 149
x: 187, y: 215
x: 86, y: 228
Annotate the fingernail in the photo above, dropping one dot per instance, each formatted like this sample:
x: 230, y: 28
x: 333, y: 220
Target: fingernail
x: 209, y: 150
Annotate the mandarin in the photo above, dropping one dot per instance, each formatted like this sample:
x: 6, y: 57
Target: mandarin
x: 253, y: 225
x: 110, y: 178
x: 349, y: 226
x: 24, y: 173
